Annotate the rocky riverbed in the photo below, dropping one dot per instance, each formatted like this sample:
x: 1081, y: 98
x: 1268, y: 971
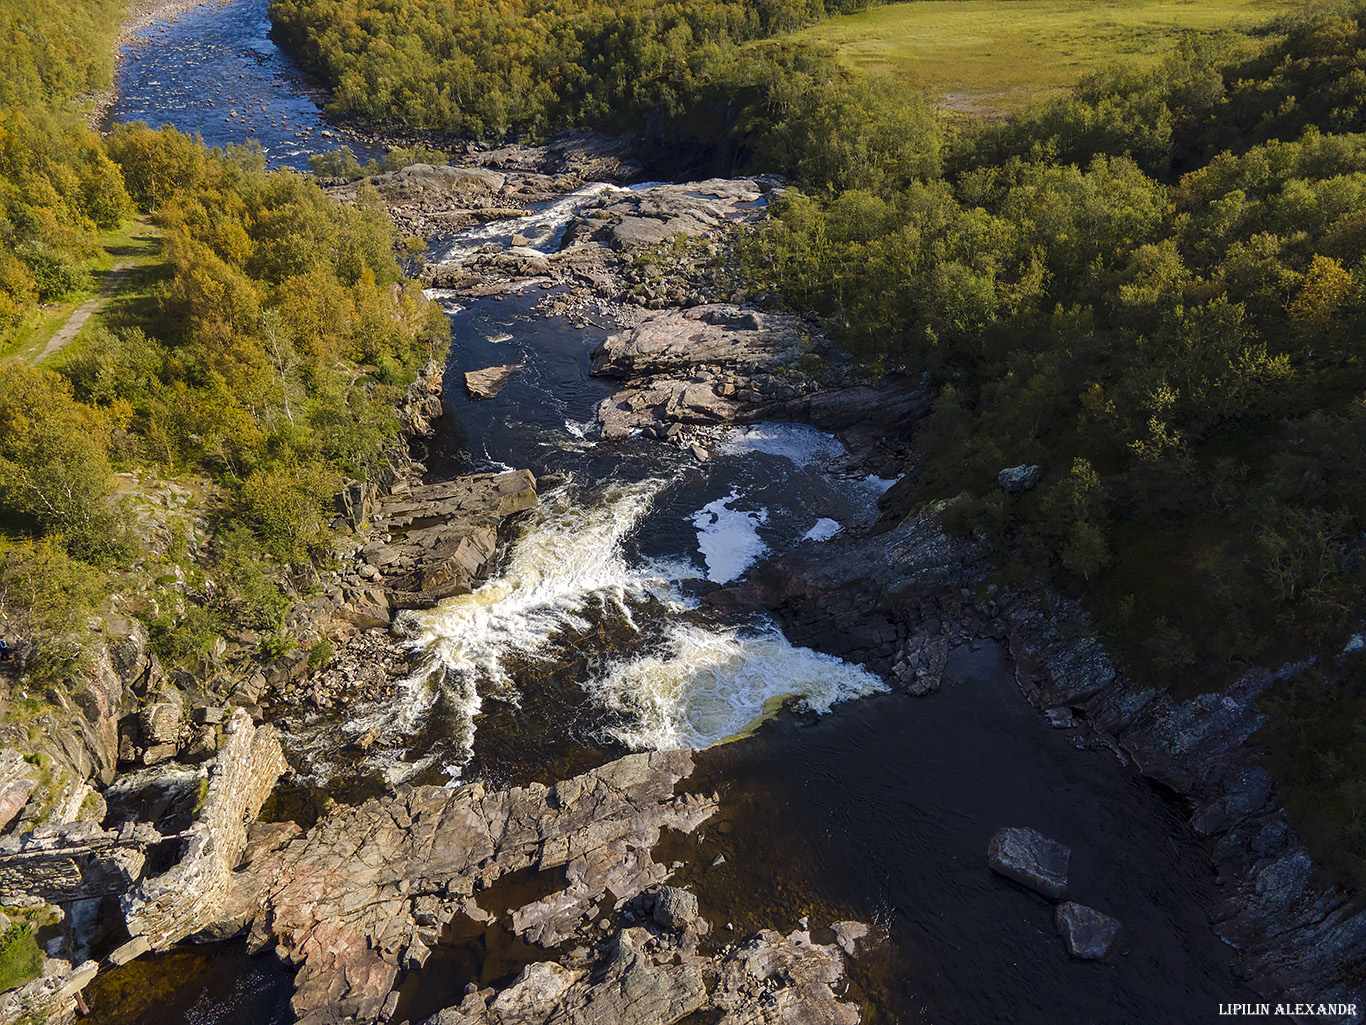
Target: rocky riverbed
x: 595, y: 896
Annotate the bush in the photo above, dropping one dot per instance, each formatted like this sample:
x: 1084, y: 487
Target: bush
x: 186, y: 640
x: 20, y: 958
x: 321, y: 654
x: 53, y: 464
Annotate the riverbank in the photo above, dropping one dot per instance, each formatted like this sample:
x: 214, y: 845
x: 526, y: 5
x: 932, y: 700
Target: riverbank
x: 908, y: 599
x: 903, y: 600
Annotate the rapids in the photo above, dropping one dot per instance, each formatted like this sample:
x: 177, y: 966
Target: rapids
x: 588, y: 640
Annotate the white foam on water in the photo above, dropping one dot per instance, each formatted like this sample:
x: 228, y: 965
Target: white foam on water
x: 568, y: 558
x: 579, y: 429
x: 824, y: 530
x: 728, y: 538
x: 545, y: 228
x: 801, y: 444
x: 709, y: 684
x: 446, y: 297
x: 498, y: 337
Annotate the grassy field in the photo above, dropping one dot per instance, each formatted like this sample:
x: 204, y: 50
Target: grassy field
x: 985, y: 56
x: 138, y: 246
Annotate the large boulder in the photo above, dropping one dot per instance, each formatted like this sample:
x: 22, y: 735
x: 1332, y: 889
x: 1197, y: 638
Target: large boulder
x: 721, y: 334
x: 675, y: 909
x: 1090, y: 935
x: 486, y: 383
x: 1019, y: 478
x: 1031, y: 859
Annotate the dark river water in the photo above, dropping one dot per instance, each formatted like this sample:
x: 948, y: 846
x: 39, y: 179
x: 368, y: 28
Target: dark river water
x: 589, y: 640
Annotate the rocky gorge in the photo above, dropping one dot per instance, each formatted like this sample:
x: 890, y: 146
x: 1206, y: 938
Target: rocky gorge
x: 361, y: 897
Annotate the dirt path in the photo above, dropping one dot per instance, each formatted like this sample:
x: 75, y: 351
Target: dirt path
x: 72, y: 327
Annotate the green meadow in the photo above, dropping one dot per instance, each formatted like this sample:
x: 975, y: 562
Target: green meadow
x: 985, y: 56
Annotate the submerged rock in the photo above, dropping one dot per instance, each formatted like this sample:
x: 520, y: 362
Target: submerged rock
x: 1090, y: 935
x: 1031, y: 859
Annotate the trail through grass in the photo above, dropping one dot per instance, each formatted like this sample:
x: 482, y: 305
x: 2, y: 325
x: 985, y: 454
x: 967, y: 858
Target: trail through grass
x: 123, y: 276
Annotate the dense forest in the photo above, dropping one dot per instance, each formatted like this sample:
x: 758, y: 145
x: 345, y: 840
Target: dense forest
x: 526, y: 65
x: 265, y: 357
x: 1152, y: 287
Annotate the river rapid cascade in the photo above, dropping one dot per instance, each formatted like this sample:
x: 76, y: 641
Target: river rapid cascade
x: 608, y: 624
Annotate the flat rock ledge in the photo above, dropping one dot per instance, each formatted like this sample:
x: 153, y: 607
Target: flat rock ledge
x: 1031, y: 859
x: 723, y: 364
x: 370, y: 888
x: 433, y: 541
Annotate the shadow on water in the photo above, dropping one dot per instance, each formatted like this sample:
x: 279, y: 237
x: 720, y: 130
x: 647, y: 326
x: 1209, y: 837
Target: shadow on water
x: 214, y: 985
x: 882, y: 812
x: 481, y: 954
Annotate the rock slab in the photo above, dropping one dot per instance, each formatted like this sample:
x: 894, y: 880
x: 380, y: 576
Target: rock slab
x: 1031, y: 859
x: 435, y: 541
x: 171, y: 906
x: 486, y: 383
x: 369, y: 888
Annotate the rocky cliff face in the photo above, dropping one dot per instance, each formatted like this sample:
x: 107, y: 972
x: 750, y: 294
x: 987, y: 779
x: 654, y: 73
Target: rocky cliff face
x: 185, y: 899
x: 899, y: 600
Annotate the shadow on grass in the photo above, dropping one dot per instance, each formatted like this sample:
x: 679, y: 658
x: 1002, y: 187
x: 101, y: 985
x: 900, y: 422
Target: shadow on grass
x: 139, y: 245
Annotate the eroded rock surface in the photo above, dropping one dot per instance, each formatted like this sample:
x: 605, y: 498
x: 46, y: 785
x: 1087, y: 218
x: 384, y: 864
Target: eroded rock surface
x: 768, y: 980
x: 368, y: 889
x: 434, y: 541
x: 57, y: 864
x: 724, y: 364
x: 183, y: 900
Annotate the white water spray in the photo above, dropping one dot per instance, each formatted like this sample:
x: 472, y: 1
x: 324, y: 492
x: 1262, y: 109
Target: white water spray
x: 701, y: 684
x: 710, y: 683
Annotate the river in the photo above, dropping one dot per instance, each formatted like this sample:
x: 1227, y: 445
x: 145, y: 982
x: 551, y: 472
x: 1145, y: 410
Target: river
x: 589, y: 640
